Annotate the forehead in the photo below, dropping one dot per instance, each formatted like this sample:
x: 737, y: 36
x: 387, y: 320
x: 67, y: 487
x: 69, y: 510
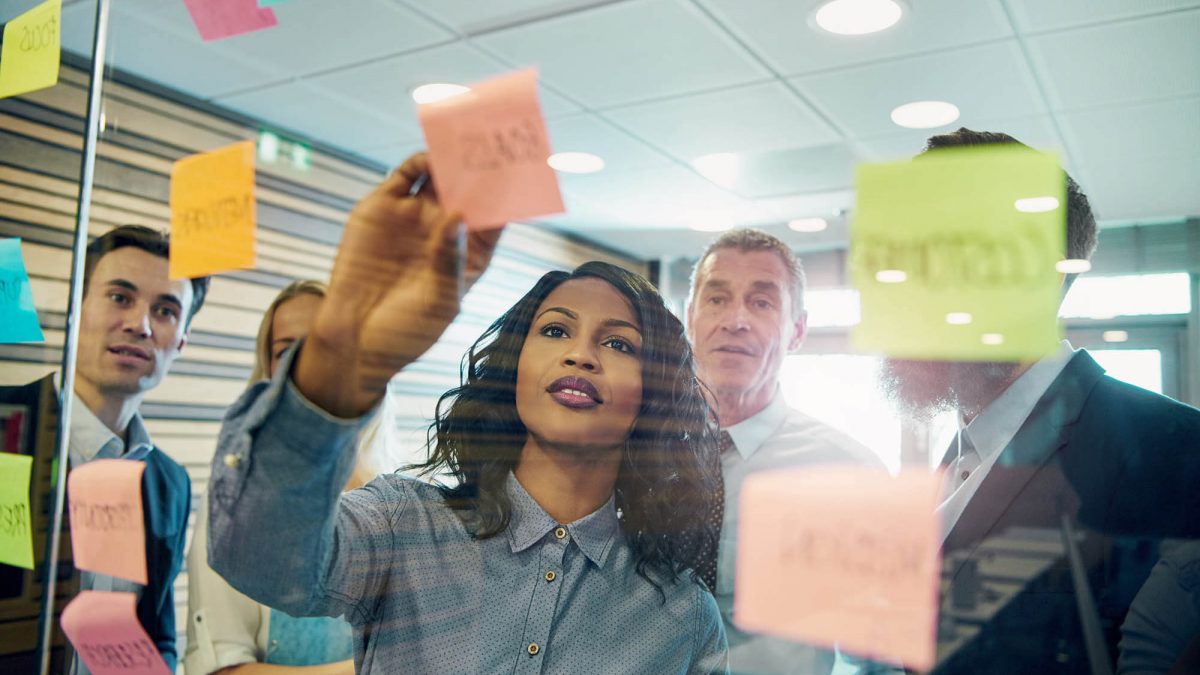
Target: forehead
x: 591, y: 298
x: 295, y: 314
x: 737, y: 268
x: 146, y: 271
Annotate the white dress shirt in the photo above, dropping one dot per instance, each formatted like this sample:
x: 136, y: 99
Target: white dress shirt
x: 992, y: 430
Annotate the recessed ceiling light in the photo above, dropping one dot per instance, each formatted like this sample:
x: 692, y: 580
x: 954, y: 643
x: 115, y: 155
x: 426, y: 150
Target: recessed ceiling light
x: 808, y: 224
x: 721, y: 168
x: 1115, y: 336
x: 891, y: 276
x: 992, y: 339
x: 575, y: 162
x: 857, y: 17
x: 925, y: 114
x: 1073, y: 266
x: 958, y: 318
x: 437, y: 91
x: 1036, y: 204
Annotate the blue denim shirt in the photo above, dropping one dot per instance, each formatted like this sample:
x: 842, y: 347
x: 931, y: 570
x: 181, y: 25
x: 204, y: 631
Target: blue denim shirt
x: 422, y: 594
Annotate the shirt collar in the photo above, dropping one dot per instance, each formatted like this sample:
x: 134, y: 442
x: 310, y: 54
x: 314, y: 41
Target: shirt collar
x: 993, y: 428
x: 529, y: 524
x: 89, y: 436
x: 750, y: 434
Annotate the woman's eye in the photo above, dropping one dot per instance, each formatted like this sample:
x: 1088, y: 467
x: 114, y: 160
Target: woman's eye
x: 620, y: 345
x: 554, y: 331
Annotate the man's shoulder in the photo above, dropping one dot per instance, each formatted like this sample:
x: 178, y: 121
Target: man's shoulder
x: 806, y: 438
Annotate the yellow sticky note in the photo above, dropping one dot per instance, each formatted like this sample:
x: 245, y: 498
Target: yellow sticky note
x: 16, y: 529
x: 32, y: 48
x: 212, y: 212
x: 954, y: 254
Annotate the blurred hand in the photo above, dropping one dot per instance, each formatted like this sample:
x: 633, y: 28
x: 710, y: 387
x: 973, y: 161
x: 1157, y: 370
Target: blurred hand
x: 395, y: 288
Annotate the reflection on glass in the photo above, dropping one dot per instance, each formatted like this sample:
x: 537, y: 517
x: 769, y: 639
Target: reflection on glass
x: 1132, y: 295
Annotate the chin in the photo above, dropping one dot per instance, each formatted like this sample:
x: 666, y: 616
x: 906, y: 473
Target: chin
x: 920, y: 389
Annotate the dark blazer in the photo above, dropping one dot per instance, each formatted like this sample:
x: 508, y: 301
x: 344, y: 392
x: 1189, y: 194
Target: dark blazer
x: 166, y: 500
x: 1113, y: 469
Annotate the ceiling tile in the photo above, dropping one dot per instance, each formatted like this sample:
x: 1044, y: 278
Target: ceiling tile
x: 1121, y: 63
x: 1138, y: 133
x: 589, y: 133
x: 749, y: 119
x: 668, y: 196
x: 780, y: 31
x: 628, y: 52
x: 986, y: 82
x: 319, y: 114
x: 386, y: 86
x: 472, y: 16
x: 1032, y: 16
x: 795, y: 170
x: 1164, y: 188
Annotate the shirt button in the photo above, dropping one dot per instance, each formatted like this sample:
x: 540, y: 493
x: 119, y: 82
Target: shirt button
x: 232, y: 461
x: 965, y: 475
x: 551, y: 576
x: 533, y: 649
x: 560, y: 532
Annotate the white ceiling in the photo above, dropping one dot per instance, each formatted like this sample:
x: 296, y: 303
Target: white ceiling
x: 1113, y: 85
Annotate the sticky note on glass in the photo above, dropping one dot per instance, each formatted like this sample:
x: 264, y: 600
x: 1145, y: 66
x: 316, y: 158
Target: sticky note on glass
x: 212, y: 212
x: 32, y: 50
x: 107, y: 529
x: 18, y: 318
x: 104, y: 629
x: 844, y: 556
x: 219, y: 19
x: 16, y: 531
x: 954, y: 254
x: 488, y: 149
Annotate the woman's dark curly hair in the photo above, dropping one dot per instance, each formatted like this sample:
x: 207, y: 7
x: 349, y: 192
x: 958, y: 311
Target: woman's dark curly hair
x: 667, y: 479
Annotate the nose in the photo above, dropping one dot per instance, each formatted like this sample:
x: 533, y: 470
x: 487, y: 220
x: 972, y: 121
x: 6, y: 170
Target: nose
x: 137, y: 322
x: 581, y: 355
x: 736, y: 318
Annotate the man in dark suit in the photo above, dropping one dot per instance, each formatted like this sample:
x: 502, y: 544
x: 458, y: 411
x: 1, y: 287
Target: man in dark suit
x: 133, y: 325
x: 1064, y: 487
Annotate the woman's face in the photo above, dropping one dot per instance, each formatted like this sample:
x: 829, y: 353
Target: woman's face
x: 579, y: 378
x: 293, y: 319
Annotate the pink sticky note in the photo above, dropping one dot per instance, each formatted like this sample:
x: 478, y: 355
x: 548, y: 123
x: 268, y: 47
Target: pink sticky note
x: 105, y: 631
x: 219, y: 19
x: 107, y: 530
x: 488, y: 149
x: 844, y: 556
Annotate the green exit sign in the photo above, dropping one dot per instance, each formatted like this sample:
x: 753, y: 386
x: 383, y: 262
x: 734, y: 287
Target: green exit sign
x: 275, y: 150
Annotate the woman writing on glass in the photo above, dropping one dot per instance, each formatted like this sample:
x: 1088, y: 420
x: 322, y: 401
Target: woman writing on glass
x: 581, y: 445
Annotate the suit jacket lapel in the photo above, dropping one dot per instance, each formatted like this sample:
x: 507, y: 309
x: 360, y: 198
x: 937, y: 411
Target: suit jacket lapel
x: 1046, y: 431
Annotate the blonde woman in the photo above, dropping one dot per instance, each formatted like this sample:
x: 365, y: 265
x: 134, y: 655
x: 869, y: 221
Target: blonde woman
x: 228, y: 633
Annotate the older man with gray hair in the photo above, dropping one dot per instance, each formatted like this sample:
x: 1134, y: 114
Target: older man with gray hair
x: 745, y: 313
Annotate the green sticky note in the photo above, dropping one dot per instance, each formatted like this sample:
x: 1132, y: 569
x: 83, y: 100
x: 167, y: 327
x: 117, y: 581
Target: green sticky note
x: 954, y: 254
x: 18, y: 318
x: 16, y: 528
x: 32, y: 48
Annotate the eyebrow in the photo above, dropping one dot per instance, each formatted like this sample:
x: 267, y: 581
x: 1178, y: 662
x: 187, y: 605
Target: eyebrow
x: 573, y: 315
x: 760, y: 286
x: 130, y: 286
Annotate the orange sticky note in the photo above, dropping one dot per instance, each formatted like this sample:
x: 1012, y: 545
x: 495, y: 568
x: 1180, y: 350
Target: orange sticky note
x: 488, y: 149
x: 106, y: 634
x: 212, y: 212
x: 107, y: 529
x: 29, y: 59
x: 844, y: 556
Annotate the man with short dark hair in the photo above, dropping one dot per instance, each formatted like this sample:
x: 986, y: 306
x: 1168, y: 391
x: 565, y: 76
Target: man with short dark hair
x: 745, y: 314
x: 1061, y: 486
x: 133, y: 325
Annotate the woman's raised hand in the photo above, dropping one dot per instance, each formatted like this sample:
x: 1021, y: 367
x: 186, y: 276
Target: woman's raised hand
x: 396, y: 286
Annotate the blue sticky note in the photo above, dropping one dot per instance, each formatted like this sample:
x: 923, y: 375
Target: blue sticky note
x: 18, y: 318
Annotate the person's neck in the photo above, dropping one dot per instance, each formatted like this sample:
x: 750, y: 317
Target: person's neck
x: 565, y: 484
x: 114, y: 412
x: 734, y: 407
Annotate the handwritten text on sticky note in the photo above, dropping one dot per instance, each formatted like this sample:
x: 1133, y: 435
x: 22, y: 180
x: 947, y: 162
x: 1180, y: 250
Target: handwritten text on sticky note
x: 16, y: 530
x: 18, y: 318
x: 843, y: 556
x: 488, y: 149
x: 32, y: 50
x: 954, y: 254
x: 213, y: 212
x: 219, y: 19
x: 107, y: 529
x: 105, y: 631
